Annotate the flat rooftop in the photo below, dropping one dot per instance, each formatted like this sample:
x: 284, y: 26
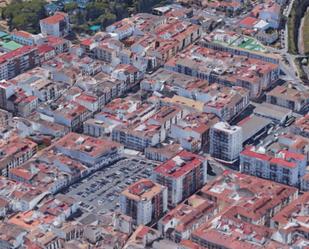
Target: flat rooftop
x: 272, y: 111
x: 252, y: 125
x: 229, y: 38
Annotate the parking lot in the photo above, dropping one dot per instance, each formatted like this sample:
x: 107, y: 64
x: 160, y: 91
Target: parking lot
x: 99, y: 192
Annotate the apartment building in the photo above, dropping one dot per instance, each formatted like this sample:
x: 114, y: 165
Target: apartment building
x: 56, y: 25
x: 5, y: 118
x: 183, y: 175
x: 179, y: 222
x: 18, y: 61
x: 225, y: 68
x: 23, y: 37
x: 14, y: 152
x: 151, y: 132
x: 41, y: 175
x: 140, y: 136
x: 283, y: 166
x: 256, y: 199
x: 238, y: 44
x: 246, y: 207
x: 225, y: 142
x: 226, y: 102
x: 295, y: 212
x: 288, y: 97
x: 71, y: 114
x: 93, y: 152
x: 192, y: 131
x: 144, y: 201
x: 301, y: 126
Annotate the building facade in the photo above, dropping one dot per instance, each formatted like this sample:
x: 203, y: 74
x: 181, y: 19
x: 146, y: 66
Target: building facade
x: 56, y: 25
x: 183, y: 175
x: 284, y: 167
x: 144, y: 201
x: 225, y: 142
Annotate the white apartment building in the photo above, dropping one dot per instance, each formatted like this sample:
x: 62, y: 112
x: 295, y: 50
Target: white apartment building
x: 283, y: 166
x: 225, y: 142
x: 56, y: 25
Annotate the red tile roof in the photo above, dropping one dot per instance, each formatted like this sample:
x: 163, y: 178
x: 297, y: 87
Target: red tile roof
x: 56, y: 18
x: 140, y: 187
x: 16, y: 53
x: 292, y: 155
x: 248, y: 21
x: 87, y: 42
x: 45, y: 49
x: 248, y: 152
x: 22, y: 33
x: 86, y: 98
x: 282, y: 162
x: 171, y: 169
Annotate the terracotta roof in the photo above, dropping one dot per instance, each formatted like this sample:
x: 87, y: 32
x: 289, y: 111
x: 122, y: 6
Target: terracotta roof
x: 56, y: 18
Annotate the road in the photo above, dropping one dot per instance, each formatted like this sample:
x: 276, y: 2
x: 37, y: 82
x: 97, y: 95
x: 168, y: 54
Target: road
x: 289, y: 68
x: 287, y: 63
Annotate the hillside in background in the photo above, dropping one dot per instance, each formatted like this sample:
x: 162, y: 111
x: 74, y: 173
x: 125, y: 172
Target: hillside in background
x: 298, y: 11
x: 26, y: 15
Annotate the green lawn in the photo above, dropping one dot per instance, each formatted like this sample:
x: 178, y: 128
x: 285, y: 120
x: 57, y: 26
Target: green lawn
x: 252, y: 44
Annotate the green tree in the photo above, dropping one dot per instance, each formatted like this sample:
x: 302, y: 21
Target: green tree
x: 95, y: 9
x: 25, y: 15
x: 107, y: 19
x: 78, y: 18
x: 70, y: 7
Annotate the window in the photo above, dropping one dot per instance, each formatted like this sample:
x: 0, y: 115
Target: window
x: 273, y: 167
x: 273, y: 100
x: 246, y: 166
x: 272, y: 176
x: 285, y: 179
x: 286, y: 171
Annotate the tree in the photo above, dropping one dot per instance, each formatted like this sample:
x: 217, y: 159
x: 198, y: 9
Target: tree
x: 107, y: 19
x: 25, y: 15
x: 95, y: 9
x: 70, y: 7
x: 78, y: 18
